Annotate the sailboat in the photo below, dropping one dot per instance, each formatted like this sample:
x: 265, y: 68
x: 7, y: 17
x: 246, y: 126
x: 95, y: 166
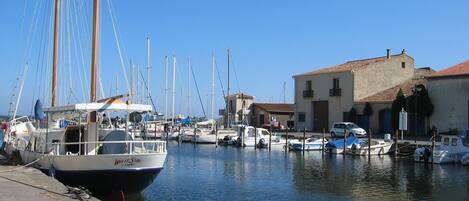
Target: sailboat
x: 74, y: 142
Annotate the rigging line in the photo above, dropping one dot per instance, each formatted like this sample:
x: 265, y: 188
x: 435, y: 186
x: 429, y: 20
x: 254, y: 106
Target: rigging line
x: 69, y: 53
x: 198, y: 93
x: 146, y: 86
x: 234, y: 70
x: 219, y: 79
x: 40, y: 59
x: 77, y: 45
x: 25, y: 72
x: 118, y: 46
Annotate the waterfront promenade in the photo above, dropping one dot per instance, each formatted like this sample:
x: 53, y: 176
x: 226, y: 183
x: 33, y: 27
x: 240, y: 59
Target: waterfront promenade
x: 27, y: 183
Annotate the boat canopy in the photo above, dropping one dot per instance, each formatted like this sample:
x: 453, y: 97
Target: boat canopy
x: 100, y: 107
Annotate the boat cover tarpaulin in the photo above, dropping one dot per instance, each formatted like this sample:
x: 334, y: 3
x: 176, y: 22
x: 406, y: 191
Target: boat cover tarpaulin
x: 349, y: 141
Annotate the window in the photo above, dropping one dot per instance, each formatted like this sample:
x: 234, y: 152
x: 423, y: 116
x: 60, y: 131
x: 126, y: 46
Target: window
x: 308, y: 85
x: 465, y: 142
x: 335, y: 83
x: 231, y: 106
x: 261, y: 119
x: 403, y: 64
x: 454, y: 142
x: 301, y: 117
x: 446, y: 141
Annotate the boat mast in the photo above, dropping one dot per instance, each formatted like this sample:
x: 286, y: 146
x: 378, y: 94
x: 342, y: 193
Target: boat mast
x: 213, y: 86
x: 173, y: 89
x: 55, y: 52
x: 132, y: 93
x: 228, y: 93
x: 189, y: 87
x: 148, y: 71
x: 166, y: 87
x: 94, y: 55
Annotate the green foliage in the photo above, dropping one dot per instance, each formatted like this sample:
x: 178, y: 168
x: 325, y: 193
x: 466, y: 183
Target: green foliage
x: 419, y: 102
x: 367, y: 110
x: 397, y: 105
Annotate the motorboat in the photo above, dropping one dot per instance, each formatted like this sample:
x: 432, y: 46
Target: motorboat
x: 205, y: 132
x: 377, y: 147
x: 451, y: 149
x: 337, y: 146
x: 249, y: 136
x: 309, y: 144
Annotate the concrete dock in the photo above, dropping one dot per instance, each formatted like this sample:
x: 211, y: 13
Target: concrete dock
x: 26, y: 183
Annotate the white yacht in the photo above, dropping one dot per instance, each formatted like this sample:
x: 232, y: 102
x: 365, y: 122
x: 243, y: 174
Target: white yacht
x: 452, y: 148
x: 76, y: 156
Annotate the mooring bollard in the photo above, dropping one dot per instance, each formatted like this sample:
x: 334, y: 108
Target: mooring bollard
x: 216, y: 135
x: 369, y: 142
x: 286, y: 139
x: 323, y: 136
x: 345, y: 139
x: 395, y: 141
x: 304, y: 138
x: 255, y: 137
x: 433, y: 145
x: 270, y: 137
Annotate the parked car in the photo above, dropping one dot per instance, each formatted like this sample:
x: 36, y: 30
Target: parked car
x: 276, y: 127
x: 339, y: 129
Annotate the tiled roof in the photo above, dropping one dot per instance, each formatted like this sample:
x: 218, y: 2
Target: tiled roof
x: 348, y: 66
x: 276, y: 107
x: 388, y: 95
x: 457, y: 70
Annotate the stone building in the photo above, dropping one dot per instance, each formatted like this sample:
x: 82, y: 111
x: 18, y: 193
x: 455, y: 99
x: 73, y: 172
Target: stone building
x: 262, y: 113
x: 238, y: 108
x: 449, y: 91
x: 327, y: 95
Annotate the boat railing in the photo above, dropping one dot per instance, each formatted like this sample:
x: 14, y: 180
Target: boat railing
x: 14, y: 121
x: 129, y: 147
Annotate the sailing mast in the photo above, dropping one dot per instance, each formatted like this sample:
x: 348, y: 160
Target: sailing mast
x: 166, y: 87
x: 148, y: 71
x: 173, y: 89
x: 55, y: 52
x: 213, y: 87
x: 94, y: 55
x: 228, y: 106
x: 189, y: 87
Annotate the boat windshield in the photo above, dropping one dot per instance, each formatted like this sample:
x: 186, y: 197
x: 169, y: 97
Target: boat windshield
x: 352, y: 125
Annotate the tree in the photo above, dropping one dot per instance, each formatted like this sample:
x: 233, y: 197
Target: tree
x: 367, y: 110
x: 352, y: 115
x: 419, y: 103
x: 397, y: 105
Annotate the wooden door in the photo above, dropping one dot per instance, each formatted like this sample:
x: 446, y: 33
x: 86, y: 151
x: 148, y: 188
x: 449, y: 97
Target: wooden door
x: 320, y: 116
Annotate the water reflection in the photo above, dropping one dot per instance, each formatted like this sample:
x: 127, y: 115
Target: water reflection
x: 204, y: 173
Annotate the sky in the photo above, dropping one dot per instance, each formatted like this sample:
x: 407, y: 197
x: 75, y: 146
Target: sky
x: 270, y: 41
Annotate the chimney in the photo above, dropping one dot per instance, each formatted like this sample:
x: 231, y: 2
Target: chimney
x: 388, y: 53
x: 403, y: 51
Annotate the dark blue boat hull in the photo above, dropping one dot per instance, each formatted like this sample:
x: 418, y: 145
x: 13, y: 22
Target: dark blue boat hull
x: 104, y: 182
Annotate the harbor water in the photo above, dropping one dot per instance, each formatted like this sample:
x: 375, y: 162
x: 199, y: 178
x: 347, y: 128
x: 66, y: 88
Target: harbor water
x: 203, y: 172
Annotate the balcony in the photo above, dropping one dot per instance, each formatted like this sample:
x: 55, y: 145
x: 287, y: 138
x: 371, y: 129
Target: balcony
x: 308, y: 93
x: 335, y: 92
